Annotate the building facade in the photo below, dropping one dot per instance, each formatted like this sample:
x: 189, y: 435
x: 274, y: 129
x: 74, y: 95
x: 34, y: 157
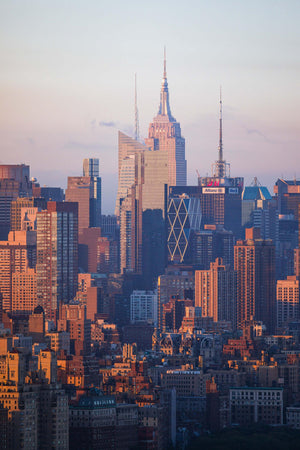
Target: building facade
x: 254, y: 261
x: 57, y: 255
x: 165, y: 135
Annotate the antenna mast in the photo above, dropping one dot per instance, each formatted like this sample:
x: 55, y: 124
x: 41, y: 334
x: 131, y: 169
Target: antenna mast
x: 136, y: 112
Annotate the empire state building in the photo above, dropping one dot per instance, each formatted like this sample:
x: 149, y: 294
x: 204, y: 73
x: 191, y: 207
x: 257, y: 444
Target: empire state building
x: 165, y: 135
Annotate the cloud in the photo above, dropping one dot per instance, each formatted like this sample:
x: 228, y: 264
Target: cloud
x: 107, y: 124
x: 31, y: 141
x: 258, y: 133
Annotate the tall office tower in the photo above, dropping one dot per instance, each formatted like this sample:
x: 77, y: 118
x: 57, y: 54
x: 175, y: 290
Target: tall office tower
x: 14, y: 183
x: 287, y: 298
x: 109, y: 226
x: 17, y: 206
x: 220, y: 194
x: 254, y: 261
x: 128, y: 148
x: 130, y: 252
x: 288, y: 196
x: 184, y: 219
x: 57, y: 255
x: 90, y: 167
x: 259, y: 210
x: 216, y: 292
x: 165, y: 135
x: 16, y: 255
x: 86, y: 191
x: 144, y: 205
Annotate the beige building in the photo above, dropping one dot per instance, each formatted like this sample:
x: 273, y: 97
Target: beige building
x: 186, y: 382
x: 165, y: 135
x: 38, y: 410
x: 215, y: 292
x: 24, y: 299
x: 287, y: 298
x: 17, y: 254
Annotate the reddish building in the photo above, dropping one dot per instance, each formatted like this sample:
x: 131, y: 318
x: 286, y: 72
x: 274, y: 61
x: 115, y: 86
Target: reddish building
x: 254, y: 261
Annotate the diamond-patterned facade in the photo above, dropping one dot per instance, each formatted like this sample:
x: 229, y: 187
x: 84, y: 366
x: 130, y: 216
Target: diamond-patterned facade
x: 184, y: 217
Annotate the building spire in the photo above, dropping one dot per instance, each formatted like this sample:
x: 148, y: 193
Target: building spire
x: 221, y: 131
x: 136, y: 113
x: 164, y: 111
x: 220, y: 166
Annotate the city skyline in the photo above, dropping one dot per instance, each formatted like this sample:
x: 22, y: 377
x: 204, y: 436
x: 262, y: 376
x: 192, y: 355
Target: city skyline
x: 67, y: 85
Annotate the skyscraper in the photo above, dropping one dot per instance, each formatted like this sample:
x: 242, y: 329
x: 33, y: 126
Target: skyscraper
x: 17, y: 255
x: 14, y: 183
x: 128, y: 148
x: 165, y: 135
x: 57, y: 255
x: 254, y: 261
x: 184, y: 219
x: 220, y: 194
x: 86, y: 191
x: 215, y: 292
x: 144, y: 207
x: 90, y: 167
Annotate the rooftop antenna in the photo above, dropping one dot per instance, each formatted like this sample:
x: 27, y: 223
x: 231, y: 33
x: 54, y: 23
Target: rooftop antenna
x: 221, y: 130
x: 165, y: 63
x: 136, y: 112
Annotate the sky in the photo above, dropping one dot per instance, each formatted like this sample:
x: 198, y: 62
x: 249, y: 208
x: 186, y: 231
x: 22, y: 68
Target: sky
x: 67, y: 83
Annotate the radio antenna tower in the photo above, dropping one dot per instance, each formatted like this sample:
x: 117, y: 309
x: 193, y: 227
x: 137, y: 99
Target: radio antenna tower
x: 136, y: 113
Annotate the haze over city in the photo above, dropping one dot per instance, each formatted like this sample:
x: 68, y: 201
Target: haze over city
x: 67, y: 84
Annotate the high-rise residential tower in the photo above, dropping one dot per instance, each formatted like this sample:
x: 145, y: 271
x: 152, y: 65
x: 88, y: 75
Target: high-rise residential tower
x: 254, y: 261
x: 215, y: 292
x: 57, y: 255
x: 14, y: 183
x: 165, y: 135
x: 17, y: 255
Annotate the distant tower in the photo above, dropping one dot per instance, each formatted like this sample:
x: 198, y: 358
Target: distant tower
x: 165, y: 135
x: 86, y: 191
x: 57, y: 255
x: 136, y: 113
x: 220, y: 165
x: 220, y: 195
x: 91, y: 167
x: 215, y: 292
x: 254, y: 261
x: 128, y: 148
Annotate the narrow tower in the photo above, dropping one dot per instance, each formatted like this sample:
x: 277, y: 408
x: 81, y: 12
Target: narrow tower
x: 165, y: 134
x: 136, y: 113
x: 220, y: 165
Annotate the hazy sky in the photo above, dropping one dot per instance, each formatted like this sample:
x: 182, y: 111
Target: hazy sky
x: 67, y: 83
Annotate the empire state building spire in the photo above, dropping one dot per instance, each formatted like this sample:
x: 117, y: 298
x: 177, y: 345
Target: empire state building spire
x: 165, y: 135
x: 164, y: 107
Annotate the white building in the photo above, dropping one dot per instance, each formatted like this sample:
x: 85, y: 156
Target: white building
x: 143, y: 306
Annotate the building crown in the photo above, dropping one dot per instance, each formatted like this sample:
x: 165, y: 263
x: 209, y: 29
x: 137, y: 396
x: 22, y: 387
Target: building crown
x: 164, y: 111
